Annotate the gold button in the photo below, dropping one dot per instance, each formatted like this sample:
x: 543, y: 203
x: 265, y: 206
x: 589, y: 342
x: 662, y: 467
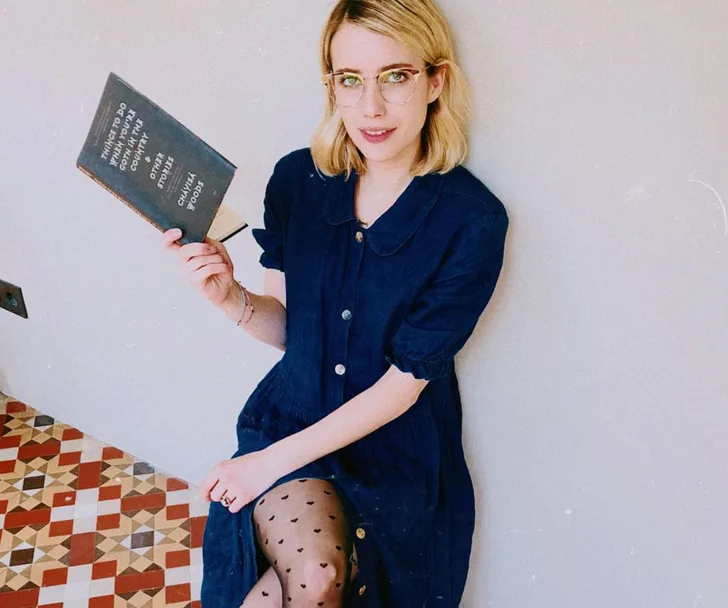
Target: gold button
x: 359, y: 236
x: 360, y: 533
x: 362, y: 589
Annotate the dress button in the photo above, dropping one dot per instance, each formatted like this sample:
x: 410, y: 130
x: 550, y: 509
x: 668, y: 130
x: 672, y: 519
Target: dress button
x: 359, y: 236
x: 360, y: 533
x: 362, y: 589
x: 340, y: 369
x: 346, y: 315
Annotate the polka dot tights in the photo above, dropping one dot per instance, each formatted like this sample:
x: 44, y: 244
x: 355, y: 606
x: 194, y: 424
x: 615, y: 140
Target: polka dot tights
x: 301, y: 528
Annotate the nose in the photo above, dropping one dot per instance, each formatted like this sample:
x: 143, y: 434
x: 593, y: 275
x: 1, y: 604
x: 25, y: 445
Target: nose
x: 372, y: 102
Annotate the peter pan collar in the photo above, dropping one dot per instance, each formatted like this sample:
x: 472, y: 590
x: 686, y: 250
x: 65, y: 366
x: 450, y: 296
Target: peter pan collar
x: 398, y: 223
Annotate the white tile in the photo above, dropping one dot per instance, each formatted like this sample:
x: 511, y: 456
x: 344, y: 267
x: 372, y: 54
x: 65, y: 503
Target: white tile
x: 51, y: 595
x: 90, y: 443
x: 8, y: 454
x: 76, y: 592
x: 78, y: 574
x: 102, y: 586
x: 87, y: 496
x: 198, y: 505
x: 87, y: 524
x: 196, y: 572
x: 74, y: 445
x: 195, y: 588
x: 62, y: 513
x: 177, y: 576
x: 91, y: 455
x: 178, y: 497
x: 107, y: 507
x: 196, y: 556
x: 85, y: 510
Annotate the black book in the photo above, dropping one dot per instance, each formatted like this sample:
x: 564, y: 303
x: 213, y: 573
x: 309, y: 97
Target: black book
x: 157, y: 166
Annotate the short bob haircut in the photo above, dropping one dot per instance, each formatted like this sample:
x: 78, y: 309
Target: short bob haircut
x: 418, y: 25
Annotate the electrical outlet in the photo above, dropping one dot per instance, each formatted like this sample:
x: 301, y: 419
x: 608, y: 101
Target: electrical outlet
x: 11, y: 298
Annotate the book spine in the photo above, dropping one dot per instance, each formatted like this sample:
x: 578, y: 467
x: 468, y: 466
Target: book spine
x: 121, y: 198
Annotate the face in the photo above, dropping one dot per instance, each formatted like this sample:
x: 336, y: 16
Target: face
x: 356, y: 49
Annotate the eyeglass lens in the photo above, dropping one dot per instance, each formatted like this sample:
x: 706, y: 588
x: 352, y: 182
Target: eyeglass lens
x: 396, y: 87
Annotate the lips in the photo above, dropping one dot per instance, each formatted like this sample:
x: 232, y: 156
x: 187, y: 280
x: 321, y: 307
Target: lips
x: 375, y: 132
x: 376, y: 135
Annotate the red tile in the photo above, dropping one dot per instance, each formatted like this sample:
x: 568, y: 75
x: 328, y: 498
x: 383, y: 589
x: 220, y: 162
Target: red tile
x: 105, y: 601
x: 21, y: 519
x: 110, y: 492
x: 89, y: 475
x: 28, y: 598
x: 56, y: 605
x: 64, y: 499
x: 11, y: 441
x: 108, y: 522
x: 82, y: 548
x: 176, y: 484
x: 148, y: 501
x: 66, y: 458
x: 178, y: 511
x: 71, y: 434
x: 196, y: 604
x: 49, y: 448
x: 61, y: 528
x: 110, y: 453
x: 15, y: 406
x: 177, y: 559
x: 135, y: 582
x: 7, y: 466
x: 3, y: 506
x: 178, y: 593
x: 55, y: 576
x: 197, y: 528
x: 103, y: 570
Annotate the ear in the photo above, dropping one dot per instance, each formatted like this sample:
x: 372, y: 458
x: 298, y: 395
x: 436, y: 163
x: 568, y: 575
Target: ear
x: 436, y: 83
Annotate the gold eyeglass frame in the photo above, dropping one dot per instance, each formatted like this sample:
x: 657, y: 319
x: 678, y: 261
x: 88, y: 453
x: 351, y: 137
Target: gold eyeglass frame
x: 325, y: 79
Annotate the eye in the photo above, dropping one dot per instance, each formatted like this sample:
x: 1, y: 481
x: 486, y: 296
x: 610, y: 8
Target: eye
x: 395, y: 76
x: 348, y: 80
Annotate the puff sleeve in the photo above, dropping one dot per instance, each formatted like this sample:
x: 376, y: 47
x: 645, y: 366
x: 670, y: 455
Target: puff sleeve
x: 446, y: 311
x: 276, y: 215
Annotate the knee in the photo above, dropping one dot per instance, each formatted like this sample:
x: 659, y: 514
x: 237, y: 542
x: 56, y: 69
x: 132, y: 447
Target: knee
x: 321, y: 580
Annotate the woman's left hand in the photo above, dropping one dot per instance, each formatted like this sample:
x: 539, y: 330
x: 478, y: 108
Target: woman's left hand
x: 240, y: 479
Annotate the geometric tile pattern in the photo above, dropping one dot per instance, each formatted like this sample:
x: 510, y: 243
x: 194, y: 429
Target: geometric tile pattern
x: 83, y: 524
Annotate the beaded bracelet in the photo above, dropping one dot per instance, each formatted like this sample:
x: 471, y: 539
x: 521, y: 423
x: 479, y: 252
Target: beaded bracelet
x: 248, y: 308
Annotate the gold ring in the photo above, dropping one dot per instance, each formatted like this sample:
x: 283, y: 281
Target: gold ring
x: 225, y: 501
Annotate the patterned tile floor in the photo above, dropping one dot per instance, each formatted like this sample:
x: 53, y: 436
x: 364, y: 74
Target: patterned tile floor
x: 83, y: 524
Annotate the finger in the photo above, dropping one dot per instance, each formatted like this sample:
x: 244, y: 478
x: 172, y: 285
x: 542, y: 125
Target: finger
x: 220, y: 249
x: 169, y: 237
x: 190, y: 250
x: 208, y: 483
x: 217, y: 492
x: 204, y: 273
x: 199, y: 261
x: 236, y: 505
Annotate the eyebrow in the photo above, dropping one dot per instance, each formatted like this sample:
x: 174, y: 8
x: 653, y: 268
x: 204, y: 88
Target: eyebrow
x: 382, y: 69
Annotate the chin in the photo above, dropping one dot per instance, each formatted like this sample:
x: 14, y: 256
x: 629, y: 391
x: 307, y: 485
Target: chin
x: 378, y: 152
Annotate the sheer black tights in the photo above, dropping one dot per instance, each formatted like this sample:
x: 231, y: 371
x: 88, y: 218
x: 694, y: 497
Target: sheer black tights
x: 302, y: 530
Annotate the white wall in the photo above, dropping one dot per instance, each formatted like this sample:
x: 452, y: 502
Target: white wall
x: 595, y: 387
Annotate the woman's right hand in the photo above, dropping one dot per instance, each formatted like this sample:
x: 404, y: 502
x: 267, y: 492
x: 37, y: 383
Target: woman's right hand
x: 206, y: 265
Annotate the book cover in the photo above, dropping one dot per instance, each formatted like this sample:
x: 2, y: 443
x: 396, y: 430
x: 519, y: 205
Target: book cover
x: 157, y: 166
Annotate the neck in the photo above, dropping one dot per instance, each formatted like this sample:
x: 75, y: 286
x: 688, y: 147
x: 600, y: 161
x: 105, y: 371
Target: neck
x: 391, y: 173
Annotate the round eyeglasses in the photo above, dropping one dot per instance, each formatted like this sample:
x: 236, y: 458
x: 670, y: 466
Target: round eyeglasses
x: 396, y: 86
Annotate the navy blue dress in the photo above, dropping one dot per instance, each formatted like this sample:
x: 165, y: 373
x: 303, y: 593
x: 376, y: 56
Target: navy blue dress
x: 407, y: 291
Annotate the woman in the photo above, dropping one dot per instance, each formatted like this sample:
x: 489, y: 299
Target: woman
x: 349, y: 486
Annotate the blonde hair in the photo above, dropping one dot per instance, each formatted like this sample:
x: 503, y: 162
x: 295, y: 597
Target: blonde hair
x: 420, y: 26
